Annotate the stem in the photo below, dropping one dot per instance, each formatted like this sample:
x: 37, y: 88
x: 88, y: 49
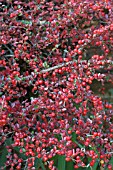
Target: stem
x: 8, y: 49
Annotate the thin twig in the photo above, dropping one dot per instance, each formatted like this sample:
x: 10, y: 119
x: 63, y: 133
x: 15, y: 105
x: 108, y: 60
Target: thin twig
x: 8, y: 55
x: 64, y: 64
x: 25, y: 165
x: 8, y: 49
x: 59, y: 66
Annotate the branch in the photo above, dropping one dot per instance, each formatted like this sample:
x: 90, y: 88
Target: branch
x: 8, y: 55
x: 52, y: 68
x: 56, y: 67
x: 65, y: 64
x: 61, y: 65
x: 11, y: 52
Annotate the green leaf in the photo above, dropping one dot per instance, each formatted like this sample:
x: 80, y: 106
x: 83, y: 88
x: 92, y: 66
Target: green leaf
x: 86, y: 168
x: 35, y: 59
x: 17, y: 78
x: 57, y: 23
x: 23, y: 79
x: 41, y: 164
x: 110, y: 162
x: 95, y: 165
x: 74, y: 140
x: 80, y: 146
x: 69, y: 165
x: 36, y: 164
x: 35, y: 106
x: 61, y: 162
x: 65, y: 51
x: 1, y: 93
x: 26, y: 22
x: 111, y: 91
x: 55, y: 159
x: 57, y: 45
x: 3, y: 155
x: 54, y: 49
x: 75, y: 82
x: 76, y: 105
x: 16, y: 59
x: 21, y: 155
x: 58, y: 136
x: 19, y: 6
x: 9, y: 141
x: 42, y: 22
x: 20, y: 14
x: 45, y: 65
x: 31, y: 98
x: 74, y: 136
x: 44, y: 29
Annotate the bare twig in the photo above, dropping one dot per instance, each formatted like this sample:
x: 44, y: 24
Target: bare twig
x: 26, y: 164
x: 11, y: 52
x: 8, y: 55
x: 58, y: 66
x: 64, y: 64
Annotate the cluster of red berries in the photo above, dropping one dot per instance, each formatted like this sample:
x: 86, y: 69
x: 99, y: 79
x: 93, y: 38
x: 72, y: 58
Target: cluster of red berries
x: 47, y: 105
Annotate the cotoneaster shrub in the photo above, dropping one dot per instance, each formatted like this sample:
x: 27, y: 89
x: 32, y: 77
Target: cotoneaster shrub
x: 50, y: 54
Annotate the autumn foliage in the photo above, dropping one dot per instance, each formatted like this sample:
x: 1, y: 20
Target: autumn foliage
x: 51, y: 52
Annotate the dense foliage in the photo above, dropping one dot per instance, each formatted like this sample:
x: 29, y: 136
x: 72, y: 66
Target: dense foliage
x: 50, y: 54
